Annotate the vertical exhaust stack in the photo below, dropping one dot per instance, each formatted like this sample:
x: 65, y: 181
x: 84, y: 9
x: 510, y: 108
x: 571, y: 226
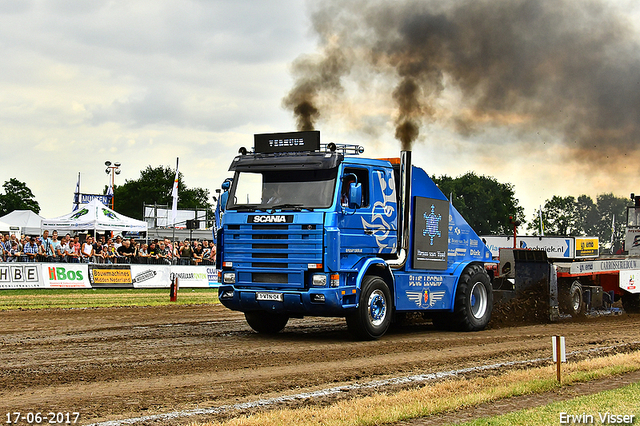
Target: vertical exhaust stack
x: 404, y: 210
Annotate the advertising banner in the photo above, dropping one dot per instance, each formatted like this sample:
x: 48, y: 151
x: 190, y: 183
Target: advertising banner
x: 630, y: 280
x: 587, y: 247
x: 556, y: 247
x: 191, y: 276
x: 110, y: 276
x: 212, y: 275
x: 66, y: 275
x: 151, y: 276
x: 20, y: 275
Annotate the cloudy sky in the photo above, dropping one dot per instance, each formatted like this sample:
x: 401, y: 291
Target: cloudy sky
x: 142, y: 82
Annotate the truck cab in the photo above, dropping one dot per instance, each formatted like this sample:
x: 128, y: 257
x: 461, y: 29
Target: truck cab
x: 313, y: 230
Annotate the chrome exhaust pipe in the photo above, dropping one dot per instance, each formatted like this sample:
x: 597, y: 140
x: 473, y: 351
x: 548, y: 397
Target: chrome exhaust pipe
x: 404, y: 211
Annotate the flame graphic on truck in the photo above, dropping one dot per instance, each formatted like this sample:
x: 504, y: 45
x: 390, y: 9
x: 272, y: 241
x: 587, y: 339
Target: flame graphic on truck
x: 383, y: 216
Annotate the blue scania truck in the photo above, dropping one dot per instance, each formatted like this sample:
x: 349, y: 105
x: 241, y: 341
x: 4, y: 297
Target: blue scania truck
x: 315, y: 229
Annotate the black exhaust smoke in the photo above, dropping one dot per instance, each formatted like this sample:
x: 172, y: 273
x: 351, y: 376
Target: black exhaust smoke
x: 569, y: 67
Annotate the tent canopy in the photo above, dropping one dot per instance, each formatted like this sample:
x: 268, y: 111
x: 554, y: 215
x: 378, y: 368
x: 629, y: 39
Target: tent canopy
x: 94, y: 216
x: 5, y: 227
x: 26, y: 220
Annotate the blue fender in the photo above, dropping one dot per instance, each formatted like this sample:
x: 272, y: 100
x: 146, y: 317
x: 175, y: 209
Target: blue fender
x: 365, y: 265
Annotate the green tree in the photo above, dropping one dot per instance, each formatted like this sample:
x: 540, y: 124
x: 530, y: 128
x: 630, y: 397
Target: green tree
x: 559, y: 217
x: 155, y: 186
x: 485, y: 203
x: 609, y: 206
x: 17, y: 196
x: 568, y: 216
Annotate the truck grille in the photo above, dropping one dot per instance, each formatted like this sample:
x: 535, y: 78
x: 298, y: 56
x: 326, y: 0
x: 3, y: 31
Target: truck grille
x: 272, y: 255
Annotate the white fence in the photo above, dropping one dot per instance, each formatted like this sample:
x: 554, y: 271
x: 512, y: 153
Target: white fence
x: 81, y: 275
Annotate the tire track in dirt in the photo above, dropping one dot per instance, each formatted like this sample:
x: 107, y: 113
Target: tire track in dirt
x: 125, y: 362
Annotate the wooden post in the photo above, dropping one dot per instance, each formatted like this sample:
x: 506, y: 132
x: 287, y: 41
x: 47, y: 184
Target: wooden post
x: 558, y: 354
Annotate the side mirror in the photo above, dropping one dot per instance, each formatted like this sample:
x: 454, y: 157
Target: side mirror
x: 355, y: 195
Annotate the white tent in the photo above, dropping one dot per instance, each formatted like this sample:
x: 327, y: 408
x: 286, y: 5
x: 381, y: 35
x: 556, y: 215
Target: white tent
x: 94, y: 216
x: 5, y: 227
x: 26, y: 220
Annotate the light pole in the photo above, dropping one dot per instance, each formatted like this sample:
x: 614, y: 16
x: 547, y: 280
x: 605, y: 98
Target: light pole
x: 114, y: 170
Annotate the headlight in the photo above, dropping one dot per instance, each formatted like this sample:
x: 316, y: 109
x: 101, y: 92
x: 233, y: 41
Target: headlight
x: 319, y: 280
x: 229, y: 277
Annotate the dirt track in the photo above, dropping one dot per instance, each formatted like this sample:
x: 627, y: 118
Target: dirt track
x: 128, y: 362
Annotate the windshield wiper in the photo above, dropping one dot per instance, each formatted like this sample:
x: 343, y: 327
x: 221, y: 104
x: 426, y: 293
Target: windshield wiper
x: 295, y: 207
x: 246, y: 208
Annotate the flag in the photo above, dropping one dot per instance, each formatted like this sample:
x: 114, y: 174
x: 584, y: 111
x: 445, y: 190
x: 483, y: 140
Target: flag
x: 174, y: 194
x: 613, y: 230
x: 76, y: 195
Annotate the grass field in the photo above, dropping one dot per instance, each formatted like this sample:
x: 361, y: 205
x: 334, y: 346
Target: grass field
x: 97, y: 298
x: 618, y: 406
x: 455, y: 394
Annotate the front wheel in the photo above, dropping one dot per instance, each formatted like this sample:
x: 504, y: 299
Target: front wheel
x: 266, y: 322
x: 373, y: 316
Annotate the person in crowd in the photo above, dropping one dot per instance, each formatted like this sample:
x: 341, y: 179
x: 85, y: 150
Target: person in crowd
x: 61, y: 250
x: 164, y: 253
x: 168, y: 245
x: 212, y: 254
x: 47, y: 247
x: 6, y: 242
x: 13, y: 253
x: 30, y: 250
x: 87, y: 253
x: 136, y: 247
x: 97, y: 251
x: 3, y: 254
x: 73, y: 251
x: 186, y: 253
x: 118, y: 242
x: 104, y: 254
x: 18, y: 241
x: 152, y: 250
x: 125, y: 252
x: 143, y: 253
x: 197, y: 252
x: 41, y: 257
x: 54, y: 246
x: 76, y: 244
x: 205, y: 249
x: 113, y: 252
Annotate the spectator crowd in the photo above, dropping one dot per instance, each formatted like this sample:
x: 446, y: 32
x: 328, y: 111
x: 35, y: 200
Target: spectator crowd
x: 104, y: 249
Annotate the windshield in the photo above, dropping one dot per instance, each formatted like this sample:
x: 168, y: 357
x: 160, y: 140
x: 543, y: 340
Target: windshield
x: 307, y: 189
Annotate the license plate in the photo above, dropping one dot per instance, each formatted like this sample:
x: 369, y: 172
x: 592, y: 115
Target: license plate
x: 276, y: 297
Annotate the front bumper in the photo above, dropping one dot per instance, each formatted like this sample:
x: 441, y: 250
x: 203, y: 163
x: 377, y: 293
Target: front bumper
x: 314, y: 302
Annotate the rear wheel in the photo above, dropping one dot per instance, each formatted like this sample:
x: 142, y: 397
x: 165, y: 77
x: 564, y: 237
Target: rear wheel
x: 474, y: 301
x: 373, y: 316
x: 571, y: 299
x: 266, y: 322
x: 631, y: 302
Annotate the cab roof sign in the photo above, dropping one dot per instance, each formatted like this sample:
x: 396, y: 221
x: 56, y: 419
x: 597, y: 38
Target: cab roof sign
x: 267, y: 143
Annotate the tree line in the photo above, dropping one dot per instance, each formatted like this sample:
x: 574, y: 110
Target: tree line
x: 489, y: 206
